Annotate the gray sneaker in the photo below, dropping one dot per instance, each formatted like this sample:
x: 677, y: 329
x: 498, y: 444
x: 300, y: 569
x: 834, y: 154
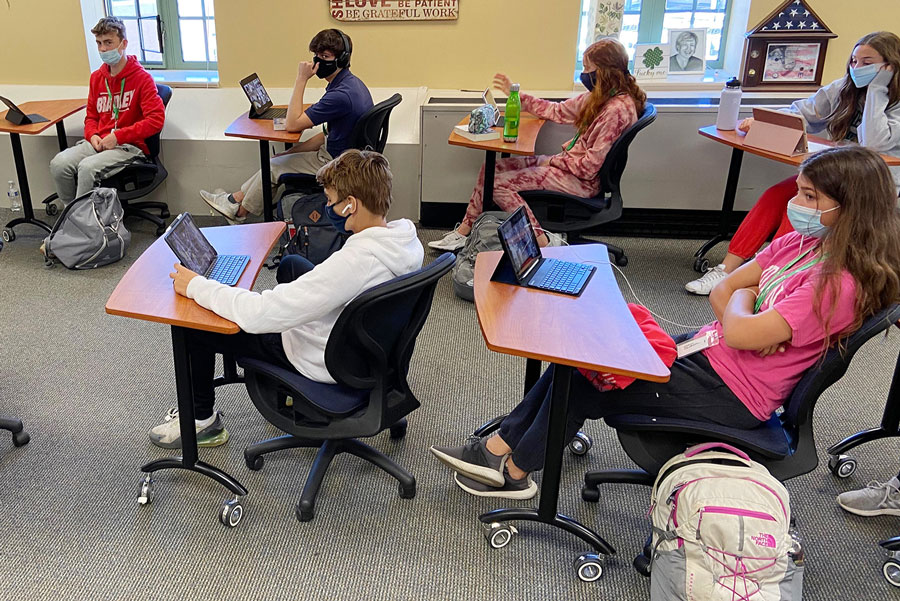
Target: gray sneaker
x: 703, y: 285
x: 168, y: 434
x: 518, y: 490
x: 876, y: 498
x: 223, y: 205
x: 473, y: 460
x: 452, y: 242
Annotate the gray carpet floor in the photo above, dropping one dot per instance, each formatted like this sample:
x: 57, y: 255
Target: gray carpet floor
x: 89, y: 385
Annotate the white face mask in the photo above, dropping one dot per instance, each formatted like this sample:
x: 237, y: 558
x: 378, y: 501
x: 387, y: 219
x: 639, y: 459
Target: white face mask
x: 111, y: 57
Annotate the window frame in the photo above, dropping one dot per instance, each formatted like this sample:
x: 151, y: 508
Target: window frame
x: 172, y: 51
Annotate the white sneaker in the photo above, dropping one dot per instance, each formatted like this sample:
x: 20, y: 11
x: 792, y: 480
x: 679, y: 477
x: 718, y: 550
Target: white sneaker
x: 452, y: 242
x: 221, y: 204
x: 555, y: 239
x: 704, y: 285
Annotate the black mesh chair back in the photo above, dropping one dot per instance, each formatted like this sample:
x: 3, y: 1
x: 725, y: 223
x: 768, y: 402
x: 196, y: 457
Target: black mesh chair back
x: 371, y: 131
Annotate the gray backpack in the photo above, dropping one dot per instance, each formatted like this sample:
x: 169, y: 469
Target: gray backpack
x: 89, y: 232
x: 483, y: 237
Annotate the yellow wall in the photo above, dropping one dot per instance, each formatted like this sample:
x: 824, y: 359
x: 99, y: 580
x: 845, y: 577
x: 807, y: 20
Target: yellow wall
x: 849, y: 20
x: 271, y: 36
x: 42, y: 42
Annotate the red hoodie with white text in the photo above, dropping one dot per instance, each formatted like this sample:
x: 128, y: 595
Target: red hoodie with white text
x: 141, y: 111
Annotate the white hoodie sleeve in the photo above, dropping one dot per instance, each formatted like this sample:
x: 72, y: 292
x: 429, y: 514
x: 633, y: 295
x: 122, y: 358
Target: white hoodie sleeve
x: 880, y: 127
x: 309, y: 297
x: 816, y: 109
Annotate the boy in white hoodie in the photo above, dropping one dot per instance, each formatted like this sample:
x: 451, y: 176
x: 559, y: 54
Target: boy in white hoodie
x: 290, y: 324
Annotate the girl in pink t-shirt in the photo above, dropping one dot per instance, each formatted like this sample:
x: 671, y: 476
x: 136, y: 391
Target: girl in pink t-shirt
x: 776, y: 316
x: 609, y: 107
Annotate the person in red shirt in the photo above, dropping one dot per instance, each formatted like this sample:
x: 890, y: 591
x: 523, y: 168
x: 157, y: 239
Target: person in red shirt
x: 123, y: 110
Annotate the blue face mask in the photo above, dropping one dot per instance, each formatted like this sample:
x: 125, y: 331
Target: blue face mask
x: 588, y: 80
x: 111, y: 57
x: 863, y: 76
x: 339, y: 221
x: 808, y: 221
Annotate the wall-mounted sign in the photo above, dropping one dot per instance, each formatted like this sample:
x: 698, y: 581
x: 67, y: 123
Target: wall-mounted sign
x: 394, y: 10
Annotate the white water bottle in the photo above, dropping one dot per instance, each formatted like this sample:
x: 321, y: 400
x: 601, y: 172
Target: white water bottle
x: 729, y: 105
x: 15, y: 201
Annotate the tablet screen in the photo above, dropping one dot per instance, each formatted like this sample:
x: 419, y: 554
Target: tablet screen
x: 190, y: 245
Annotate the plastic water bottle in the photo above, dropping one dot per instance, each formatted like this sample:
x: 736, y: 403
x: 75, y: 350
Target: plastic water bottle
x: 729, y: 105
x: 511, y: 117
x: 15, y: 201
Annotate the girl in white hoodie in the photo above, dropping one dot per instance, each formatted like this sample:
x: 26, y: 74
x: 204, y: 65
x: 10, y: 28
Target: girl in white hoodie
x: 290, y: 324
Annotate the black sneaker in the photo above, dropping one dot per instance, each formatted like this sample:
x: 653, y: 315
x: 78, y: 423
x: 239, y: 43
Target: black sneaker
x: 473, y: 460
x: 518, y: 490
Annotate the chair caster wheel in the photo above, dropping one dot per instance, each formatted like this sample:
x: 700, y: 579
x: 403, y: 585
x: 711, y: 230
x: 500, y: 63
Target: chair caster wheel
x: 398, y: 430
x: 20, y: 439
x: 231, y: 513
x: 590, y: 494
x: 146, y: 494
x: 622, y: 261
x: 52, y: 209
x: 305, y: 511
x: 589, y: 567
x: 891, y: 571
x: 842, y: 466
x: 407, y: 491
x: 48, y: 263
x: 498, y: 534
x: 8, y: 235
x: 165, y: 214
x: 581, y: 444
x: 254, y: 463
x: 701, y: 265
x: 641, y: 563
x: 160, y: 231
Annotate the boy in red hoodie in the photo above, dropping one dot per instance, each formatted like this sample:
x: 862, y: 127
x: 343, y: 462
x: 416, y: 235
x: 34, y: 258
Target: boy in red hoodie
x: 123, y: 109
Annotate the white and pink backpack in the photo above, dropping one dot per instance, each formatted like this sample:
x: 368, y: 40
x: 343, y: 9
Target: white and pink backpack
x: 721, y: 530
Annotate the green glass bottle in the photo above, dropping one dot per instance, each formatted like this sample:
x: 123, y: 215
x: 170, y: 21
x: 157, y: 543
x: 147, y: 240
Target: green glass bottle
x: 511, y: 117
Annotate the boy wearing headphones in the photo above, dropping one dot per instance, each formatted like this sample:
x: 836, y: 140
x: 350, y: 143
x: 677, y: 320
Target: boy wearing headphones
x: 346, y: 99
x: 290, y: 324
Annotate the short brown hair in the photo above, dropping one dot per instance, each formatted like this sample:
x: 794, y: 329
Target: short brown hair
x: 110, y: 25
x: 330, y: 39
x: 364, y: 174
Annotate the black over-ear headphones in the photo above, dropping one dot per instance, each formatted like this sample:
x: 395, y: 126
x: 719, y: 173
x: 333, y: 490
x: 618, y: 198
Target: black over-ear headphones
x: 343, y: 61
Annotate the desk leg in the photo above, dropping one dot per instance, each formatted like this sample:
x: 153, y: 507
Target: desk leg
x: 487, y: 196
x: 24, y: 190
x: 724, y: 233
x: 265, y: 170
x: 890, y: 421
x: 61, y: 136
x: 556, y: 443
x: 188, y: 460
x: 532, y: 373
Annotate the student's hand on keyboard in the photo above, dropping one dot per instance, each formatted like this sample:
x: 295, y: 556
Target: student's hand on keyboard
x: 181, y: 277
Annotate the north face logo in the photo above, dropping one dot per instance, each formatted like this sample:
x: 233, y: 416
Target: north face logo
x: 764, y: 540
x: 315, y: 216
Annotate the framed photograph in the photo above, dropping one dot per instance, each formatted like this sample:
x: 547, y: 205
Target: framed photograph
x: 791, y: 62
x: 651, y: 61
x: 687, y: 51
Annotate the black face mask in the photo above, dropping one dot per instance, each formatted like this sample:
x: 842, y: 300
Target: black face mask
x: 326, y: 68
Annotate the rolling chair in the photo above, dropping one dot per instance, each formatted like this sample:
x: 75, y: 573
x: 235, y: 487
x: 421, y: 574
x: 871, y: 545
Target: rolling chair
x: 565, y: 213
x: 19, y: 436
x: 368, y: 354
x: 141, y: 178
x: 369, y: 133
x: 784, y: 444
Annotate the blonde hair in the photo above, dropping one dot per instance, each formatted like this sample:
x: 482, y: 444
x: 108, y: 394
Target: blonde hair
x: 363, y: 174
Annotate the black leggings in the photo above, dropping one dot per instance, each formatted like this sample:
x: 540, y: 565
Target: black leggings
x: 694, y: 391
x: 203, y: 346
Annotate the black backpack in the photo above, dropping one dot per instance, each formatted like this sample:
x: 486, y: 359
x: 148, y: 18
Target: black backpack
x: 311, y: 235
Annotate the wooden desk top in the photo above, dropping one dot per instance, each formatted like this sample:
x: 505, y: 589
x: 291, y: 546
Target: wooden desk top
x: 145, y: 291
x: 53, y: 110
x: 529, y: 126
x: 735, y: 139
x: 261, y: 129
x: 595, y: 330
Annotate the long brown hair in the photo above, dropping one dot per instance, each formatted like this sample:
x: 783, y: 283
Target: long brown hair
x: 865, y: 239
x: 887, y: 45
x: 612, y: 77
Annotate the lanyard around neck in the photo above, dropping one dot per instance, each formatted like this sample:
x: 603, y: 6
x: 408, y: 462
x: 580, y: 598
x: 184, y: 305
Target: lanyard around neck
x: 116, y: 105
x: 783, y: 274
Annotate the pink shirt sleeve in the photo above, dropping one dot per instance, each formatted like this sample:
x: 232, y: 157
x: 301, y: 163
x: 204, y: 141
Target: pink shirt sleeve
x: 589, y: 153
x: 806, y: 326
x: 765, y: 257
x: 558, y: 112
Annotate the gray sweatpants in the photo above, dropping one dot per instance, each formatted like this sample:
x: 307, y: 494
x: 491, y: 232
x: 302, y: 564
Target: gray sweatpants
x: 295, y: 162
x: 76, y: 170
